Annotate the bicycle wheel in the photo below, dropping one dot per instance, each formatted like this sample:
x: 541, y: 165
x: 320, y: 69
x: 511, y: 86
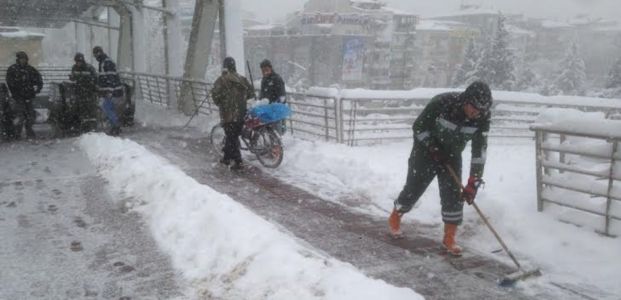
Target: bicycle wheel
x: 217, y: 139
x: 267, y: 146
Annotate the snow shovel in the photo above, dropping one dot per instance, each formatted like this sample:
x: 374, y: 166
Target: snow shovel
x: 509, y: 279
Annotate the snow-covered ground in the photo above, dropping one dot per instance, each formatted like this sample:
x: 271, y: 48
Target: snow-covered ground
x: 225, y: 250
x: 368, y: 179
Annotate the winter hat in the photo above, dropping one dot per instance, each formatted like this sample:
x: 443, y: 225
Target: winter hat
x: 21, y: 55
x: 479, y: 95
x: 266, y: 63
x: 79, y: 57
x: 229, y: 64
x: 97, y: 50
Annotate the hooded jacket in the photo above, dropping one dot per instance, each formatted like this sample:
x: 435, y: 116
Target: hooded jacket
x: 443, y: 123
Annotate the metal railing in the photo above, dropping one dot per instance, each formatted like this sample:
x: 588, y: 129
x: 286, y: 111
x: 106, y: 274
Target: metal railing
x: 49, y: 75
x: 165, y: 90
x: 356, y: 120
x: 579, y: 162
x: 339, y: 116
x: 378, y: 120
x: 314, y: 116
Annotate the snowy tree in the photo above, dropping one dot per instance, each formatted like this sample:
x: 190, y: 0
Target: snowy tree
x: 496, y: 64
x: 571, y: 75
x: 614, y: 77
x: 526, y: 78
x: 613, y: 84
x: 466, y: 69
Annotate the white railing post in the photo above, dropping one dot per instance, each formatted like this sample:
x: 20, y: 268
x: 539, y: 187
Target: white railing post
x: 611, y: 180
x: 538, y: 159
x: 338, y: 115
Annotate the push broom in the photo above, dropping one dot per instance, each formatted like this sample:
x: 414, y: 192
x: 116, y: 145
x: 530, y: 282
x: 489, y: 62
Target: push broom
x: 521, y: 273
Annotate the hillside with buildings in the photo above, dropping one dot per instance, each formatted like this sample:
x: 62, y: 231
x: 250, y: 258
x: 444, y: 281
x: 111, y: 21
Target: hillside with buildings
x: 365, y: 43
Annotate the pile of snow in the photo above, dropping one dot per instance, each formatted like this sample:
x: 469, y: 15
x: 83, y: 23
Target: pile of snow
x: 571, y: 120
x: 225, y: 250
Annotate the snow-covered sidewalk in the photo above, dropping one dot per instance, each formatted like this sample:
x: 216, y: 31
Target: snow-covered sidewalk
x: 368, y: 179
x: 224, y: 249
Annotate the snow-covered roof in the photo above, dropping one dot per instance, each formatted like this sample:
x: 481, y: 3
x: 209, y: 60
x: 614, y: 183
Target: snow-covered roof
x: 262, y: 27
x: 519, y: 31
x: 555, y: 24
x: 435, y: 25
x: 467, y: 12
x: 616, y: 27
x: 397, y: 11
x: 43, y: 13
x: 16, y: 32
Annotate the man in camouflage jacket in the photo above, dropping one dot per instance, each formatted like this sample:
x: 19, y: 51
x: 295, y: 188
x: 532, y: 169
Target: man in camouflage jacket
x: 229, y: 93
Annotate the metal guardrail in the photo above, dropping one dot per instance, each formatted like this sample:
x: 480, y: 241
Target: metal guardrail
x: 164, y: 90
x: 351, y: 121
x: 555, y: 170
x: 355, y: 121
x: 377, y: 120
x: 314, y: 116
x: 48, y: 74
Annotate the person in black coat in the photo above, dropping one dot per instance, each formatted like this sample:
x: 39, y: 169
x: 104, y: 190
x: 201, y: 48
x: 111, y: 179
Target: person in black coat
x: 273, y: 89
x: 24, y: 82
x: 110, y: 89
x: 84, y: 109
x: 6, y: 114
x: 272, y: 85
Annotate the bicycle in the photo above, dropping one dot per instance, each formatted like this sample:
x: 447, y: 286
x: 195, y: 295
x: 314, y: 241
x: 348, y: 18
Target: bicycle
x: 259, y: 138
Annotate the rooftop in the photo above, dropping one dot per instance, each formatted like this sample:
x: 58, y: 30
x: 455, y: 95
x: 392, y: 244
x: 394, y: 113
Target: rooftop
x: 42, y: 13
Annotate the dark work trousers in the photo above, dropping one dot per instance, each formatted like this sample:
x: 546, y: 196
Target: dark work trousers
x: 421, y: 171
x: 232, y: 146
x: 109, y: 106
x: 25, y: 114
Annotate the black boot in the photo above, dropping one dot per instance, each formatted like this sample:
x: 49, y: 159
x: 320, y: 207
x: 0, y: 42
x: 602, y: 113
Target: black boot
x: 30, y: 134
x: 238, y: 166
x: 114, y: 131
x: 225, y: 162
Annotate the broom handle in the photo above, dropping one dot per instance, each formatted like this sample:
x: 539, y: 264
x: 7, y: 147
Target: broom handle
x: 476, y: 207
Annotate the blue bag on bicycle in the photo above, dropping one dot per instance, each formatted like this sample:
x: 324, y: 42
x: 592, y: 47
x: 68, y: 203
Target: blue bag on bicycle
x: 270, y: 113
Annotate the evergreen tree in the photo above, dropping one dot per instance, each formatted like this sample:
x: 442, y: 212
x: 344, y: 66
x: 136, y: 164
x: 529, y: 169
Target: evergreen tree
x: 526, y: 79
x: 466, y: 69
x: 571, y: 75
x: 614, y: 77
x: 613, y: 84
x: 496, y: 64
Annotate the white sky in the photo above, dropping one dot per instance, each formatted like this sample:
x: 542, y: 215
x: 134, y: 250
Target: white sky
x: 556, y: 9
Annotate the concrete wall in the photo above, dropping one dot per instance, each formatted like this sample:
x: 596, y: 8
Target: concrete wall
x: 31, y: 45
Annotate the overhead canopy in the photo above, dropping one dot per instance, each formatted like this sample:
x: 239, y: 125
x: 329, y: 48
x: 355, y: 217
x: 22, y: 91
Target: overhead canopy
x: 42, y: 13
